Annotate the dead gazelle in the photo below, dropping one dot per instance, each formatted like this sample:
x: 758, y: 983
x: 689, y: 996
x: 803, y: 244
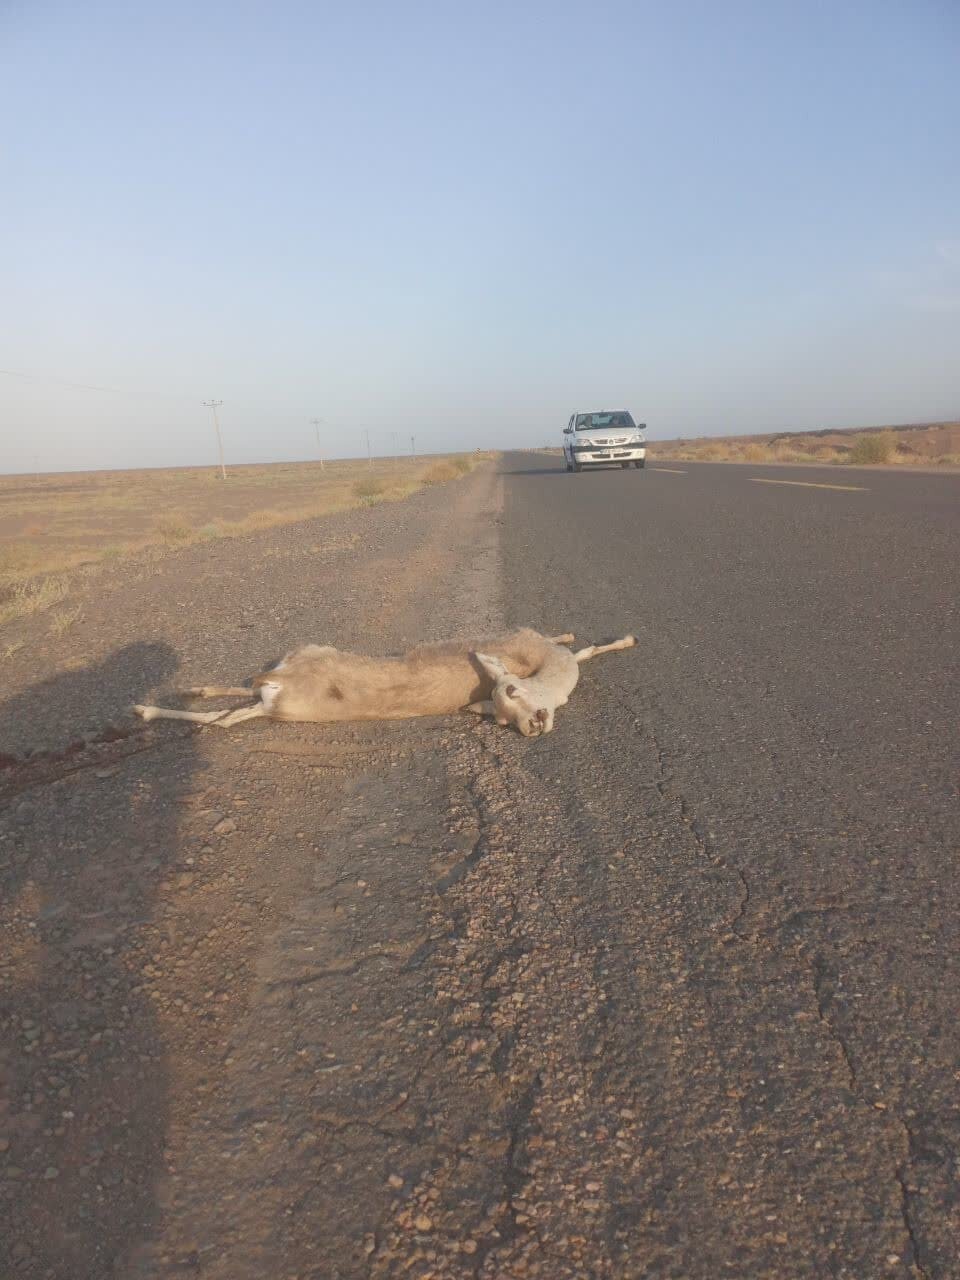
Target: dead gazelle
x: 520, y: 678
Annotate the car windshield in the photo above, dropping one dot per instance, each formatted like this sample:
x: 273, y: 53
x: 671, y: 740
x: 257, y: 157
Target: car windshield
x: 598, y: 421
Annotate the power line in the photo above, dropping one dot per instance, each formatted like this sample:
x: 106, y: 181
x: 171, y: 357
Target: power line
x: 215, y: 405
x: 87, y: 386
x: 317, y: 423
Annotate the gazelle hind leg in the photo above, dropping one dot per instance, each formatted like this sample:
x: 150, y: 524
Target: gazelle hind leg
x: 592, y: 650
x: 224, y: 719
x: 167, y: 713
x: 243, y: 713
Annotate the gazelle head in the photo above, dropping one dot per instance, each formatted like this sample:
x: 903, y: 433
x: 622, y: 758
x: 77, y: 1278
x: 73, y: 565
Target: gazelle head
x: 514, y: 701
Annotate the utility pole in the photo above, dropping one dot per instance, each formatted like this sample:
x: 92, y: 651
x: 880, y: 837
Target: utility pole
x: 395, y: 439
x: 215, y: 405
x: 369, y: 454
x: 413, y: 446
x: 317, y: 423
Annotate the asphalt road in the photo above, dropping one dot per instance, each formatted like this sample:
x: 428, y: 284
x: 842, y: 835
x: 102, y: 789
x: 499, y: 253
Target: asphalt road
x: 780, y: 948
x: 671, y: 992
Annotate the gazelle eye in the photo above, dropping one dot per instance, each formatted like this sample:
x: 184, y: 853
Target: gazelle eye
x: 511, y: 690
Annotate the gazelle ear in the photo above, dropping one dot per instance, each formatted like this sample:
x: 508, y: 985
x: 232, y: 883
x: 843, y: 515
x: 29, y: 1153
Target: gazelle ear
x: 492, y: 666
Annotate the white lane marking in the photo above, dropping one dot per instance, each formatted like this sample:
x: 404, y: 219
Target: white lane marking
x: 670, y: 471
x: 810, y: 484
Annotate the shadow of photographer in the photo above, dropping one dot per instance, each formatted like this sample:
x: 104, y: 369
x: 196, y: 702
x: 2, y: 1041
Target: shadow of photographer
x: 83, y: 1067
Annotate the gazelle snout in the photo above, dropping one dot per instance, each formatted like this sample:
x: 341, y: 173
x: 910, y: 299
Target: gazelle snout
x: 536, y: 725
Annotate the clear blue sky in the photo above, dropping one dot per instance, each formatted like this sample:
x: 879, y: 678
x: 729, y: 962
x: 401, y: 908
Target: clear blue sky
x: 466, y: 221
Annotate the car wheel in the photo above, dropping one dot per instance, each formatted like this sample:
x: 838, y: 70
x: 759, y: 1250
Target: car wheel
x: 578, y: 466
x: 642, y: 463
x: 625, y: 466
x: 568, y: 464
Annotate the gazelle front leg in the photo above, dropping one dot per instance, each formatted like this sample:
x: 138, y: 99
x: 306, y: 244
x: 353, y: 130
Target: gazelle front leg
x: 567, y: 638
x: 592, y: 650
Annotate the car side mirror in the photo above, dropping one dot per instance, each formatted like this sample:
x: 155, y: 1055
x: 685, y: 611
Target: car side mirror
x: 568, y: 431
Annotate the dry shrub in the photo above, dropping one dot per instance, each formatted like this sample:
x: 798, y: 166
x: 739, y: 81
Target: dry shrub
x: 266, y: 518
x: 873, y: 449
x: 173, y: 528
x: 65, y: 619
x: 18, y: 559
x: 439, y: 473
x: 754, y: 453
x: 368, y: 488
x: 462, y: 464
x: 31, y: 597
x: 906, y: 457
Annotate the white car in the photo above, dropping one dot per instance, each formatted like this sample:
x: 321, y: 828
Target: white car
x: 608, y: 438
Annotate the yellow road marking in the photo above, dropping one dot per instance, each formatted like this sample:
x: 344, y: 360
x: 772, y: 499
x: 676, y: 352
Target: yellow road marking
x: 810, y: 484
x: 669, y: 470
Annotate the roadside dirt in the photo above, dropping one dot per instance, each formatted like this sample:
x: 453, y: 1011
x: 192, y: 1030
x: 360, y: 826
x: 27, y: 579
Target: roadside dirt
x: 223, y: 1048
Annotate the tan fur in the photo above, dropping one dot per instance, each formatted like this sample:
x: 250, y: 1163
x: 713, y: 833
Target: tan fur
x: 320, y: 684
x: 530, y: 703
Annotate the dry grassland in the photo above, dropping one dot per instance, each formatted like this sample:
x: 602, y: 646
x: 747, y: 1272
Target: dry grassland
x: 933, y: 444
x: 53, y: 524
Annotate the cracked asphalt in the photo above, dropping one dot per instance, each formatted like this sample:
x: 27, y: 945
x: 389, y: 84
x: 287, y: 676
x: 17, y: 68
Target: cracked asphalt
x: 670, y: 992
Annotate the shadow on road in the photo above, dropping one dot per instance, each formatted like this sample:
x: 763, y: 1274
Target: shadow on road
x: 560, y: 470
x: 535, y: 471
x: 82, y: 1059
